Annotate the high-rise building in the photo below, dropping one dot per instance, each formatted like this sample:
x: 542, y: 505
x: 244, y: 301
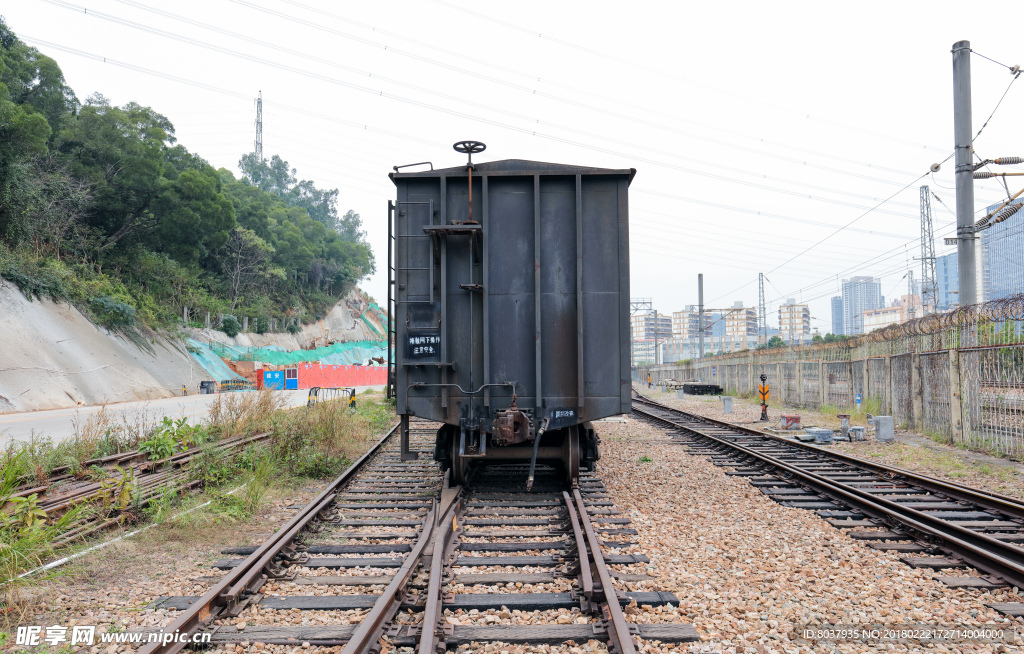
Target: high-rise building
x: 740, y: 328
x: 837, y: 315
x: 685, y: 323
x: 717, y: 325
x: 649, y: 329
x: 860, y: 294
x: 685, y: 341
x: 947, y: 273
x: 1002, y: 258
x: 794, y: 322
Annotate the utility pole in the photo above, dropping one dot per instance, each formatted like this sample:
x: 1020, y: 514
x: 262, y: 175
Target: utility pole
x: 700, y: 315
x: 762, y: 330
x: 259, y: 128
x: 657, y: 333
x: 637, y: 305
x: 962, y: 128
x: 929, y: 283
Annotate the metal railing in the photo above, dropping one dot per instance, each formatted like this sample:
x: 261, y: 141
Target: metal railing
x: 321, y: 394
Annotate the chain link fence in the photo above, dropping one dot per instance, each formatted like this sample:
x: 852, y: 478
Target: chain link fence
x: 958, y: 376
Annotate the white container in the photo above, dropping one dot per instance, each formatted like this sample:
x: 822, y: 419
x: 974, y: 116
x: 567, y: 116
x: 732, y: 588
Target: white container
x: 726, y: 404
x: 885, y: 429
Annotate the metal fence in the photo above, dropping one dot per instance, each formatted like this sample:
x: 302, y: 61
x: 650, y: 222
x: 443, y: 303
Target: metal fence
x: 958, y: 375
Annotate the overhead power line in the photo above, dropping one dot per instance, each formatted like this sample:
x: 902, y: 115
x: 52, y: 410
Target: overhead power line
x: 640, y: 66
x: 532, y: 121
x: 298, y: 110
x: 535, y: 80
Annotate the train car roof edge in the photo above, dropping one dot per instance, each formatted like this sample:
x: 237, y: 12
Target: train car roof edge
x: 516, y: 167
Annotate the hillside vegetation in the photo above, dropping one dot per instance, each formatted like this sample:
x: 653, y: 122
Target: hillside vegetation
x: 100, y: 206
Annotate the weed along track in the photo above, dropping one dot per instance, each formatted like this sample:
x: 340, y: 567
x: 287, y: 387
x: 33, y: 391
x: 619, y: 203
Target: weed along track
x: 392, y: 555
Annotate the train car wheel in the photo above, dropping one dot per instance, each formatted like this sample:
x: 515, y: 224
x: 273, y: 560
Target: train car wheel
x: 571, y: 456
x: 460, y: 464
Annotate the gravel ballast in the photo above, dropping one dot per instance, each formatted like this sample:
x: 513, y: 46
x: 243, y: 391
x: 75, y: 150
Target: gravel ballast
x: 911, y: 450
x: 748, y: 571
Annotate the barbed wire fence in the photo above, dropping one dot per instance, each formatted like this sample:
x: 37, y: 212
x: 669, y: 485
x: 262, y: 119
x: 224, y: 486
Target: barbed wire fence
x: 958, y: 376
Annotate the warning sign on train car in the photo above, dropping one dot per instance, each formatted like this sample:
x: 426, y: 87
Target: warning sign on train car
x: 423, y: 344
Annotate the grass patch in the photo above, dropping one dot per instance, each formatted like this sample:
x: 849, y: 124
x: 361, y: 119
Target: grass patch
x: 319, y: 442
x: 25, y: 536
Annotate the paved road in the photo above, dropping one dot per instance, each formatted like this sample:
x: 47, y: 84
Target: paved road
x: 59, y: 424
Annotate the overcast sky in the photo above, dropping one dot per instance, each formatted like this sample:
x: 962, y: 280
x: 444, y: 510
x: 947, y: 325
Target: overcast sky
x: 757, y: 129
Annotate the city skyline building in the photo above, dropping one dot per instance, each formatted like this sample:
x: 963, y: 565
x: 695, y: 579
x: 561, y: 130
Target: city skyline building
x: 907, y: 307
x: 861, y: 293
x: 947, y: 271
x: 794, y: 322
x: 1002, y: 258
x: 740, y: 328
x: 837, y: 315
x: 685, y: 323
x: 649, y: 329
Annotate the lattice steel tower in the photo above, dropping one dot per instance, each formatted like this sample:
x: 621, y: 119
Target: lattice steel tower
x: 762, y: 320
x: 259, y: 128
x: 929, y: 283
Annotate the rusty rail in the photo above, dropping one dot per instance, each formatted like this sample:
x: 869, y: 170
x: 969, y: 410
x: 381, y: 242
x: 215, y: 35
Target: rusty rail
x: 373, y: 624
x: 981, y: 497
x: 225, y: 595
x: 976, y: 549
x: 620, y: 639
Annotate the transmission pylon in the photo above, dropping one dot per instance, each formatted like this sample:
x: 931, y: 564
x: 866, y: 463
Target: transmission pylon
x: 929, y: 284
x: 259, y: 128
x: 762, y: 327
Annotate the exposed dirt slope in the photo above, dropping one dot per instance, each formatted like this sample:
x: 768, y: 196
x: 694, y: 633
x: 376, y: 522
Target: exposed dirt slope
x: 52, y: 357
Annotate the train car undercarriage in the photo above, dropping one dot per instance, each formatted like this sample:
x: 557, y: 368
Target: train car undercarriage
x: 567, y: 448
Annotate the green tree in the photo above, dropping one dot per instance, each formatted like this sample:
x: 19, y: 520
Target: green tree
x: 246, y: 261
x: 34, y: 80
x: 194, y: 216
x: 52, y: 205
x: 775, y: 341
x: 119, y: 151
x: 24, y: 129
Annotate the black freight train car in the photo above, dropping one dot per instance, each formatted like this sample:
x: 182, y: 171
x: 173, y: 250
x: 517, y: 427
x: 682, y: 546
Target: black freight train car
x: 510, y: 285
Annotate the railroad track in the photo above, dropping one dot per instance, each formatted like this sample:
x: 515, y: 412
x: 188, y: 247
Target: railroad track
x: 390, y: 553
x: 147, y: 478
x: 933, y: 523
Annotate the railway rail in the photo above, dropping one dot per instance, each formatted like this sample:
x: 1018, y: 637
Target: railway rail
x: 934, y: 523
x: 393, y: 551
x: 146, y: 478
